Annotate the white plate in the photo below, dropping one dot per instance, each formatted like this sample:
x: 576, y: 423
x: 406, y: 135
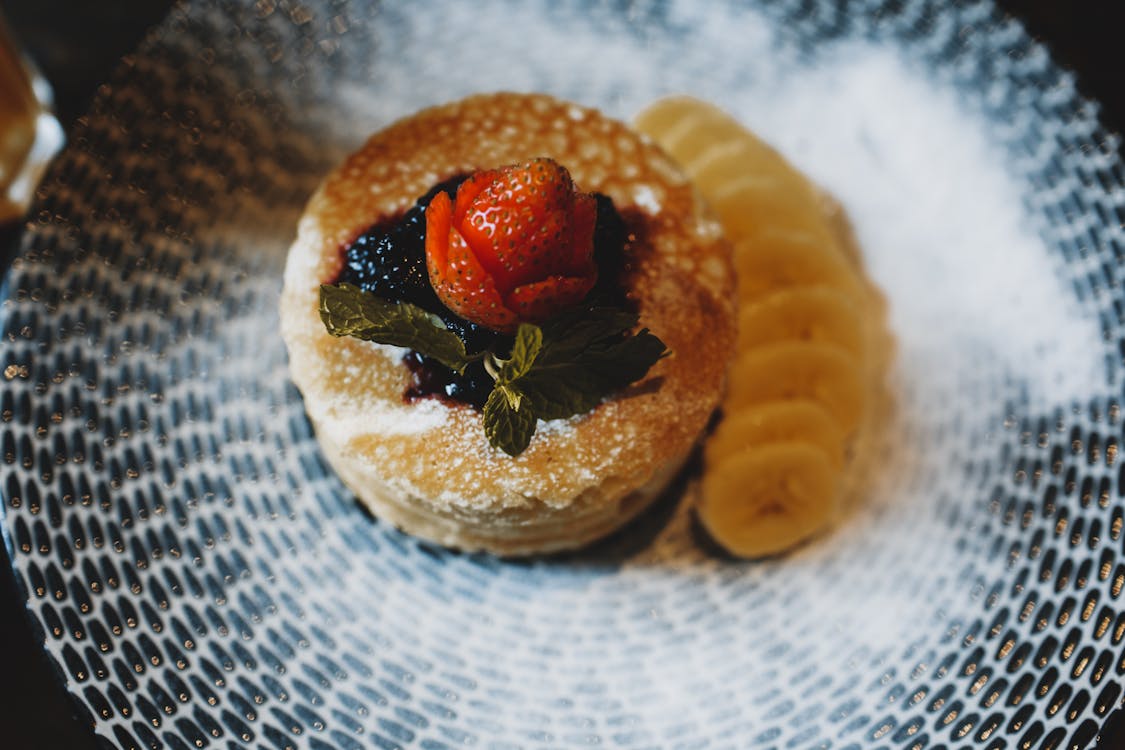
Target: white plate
x: 203, y: 578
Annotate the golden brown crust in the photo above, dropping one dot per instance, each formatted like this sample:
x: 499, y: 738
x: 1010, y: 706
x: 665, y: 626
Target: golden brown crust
x: 427, y: 466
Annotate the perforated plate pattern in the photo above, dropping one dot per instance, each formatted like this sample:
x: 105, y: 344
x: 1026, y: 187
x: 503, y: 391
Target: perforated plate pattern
x: 203, y: 580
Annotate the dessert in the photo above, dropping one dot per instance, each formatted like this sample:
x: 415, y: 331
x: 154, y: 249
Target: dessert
x: 811, y: 345
x: 428, y: 422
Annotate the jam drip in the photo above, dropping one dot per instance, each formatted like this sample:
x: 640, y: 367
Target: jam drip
x: 389, y: 260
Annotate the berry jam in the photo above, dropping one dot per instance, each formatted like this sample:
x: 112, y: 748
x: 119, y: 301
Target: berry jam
x: 389, y: 260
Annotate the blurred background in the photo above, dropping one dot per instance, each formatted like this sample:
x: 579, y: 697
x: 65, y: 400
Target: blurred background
x: 76, y: 44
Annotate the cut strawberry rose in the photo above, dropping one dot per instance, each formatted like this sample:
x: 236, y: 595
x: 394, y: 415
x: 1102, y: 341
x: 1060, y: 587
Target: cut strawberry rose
x: 516, y: 246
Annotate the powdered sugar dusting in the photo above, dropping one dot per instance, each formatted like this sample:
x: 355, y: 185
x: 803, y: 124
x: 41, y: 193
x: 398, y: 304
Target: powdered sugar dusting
x: 646, y: 199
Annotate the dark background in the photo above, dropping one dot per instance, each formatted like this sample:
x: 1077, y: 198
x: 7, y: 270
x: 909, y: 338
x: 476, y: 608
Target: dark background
x: 76, y: 44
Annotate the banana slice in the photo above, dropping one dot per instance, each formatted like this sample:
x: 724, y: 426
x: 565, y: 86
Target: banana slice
x: 766, y: 499
x: 814, y: 313
x: 776, y: 422
x: 791, y: 370
x: 702, y: 137
x: 746, y: 211
x: 783, y: 260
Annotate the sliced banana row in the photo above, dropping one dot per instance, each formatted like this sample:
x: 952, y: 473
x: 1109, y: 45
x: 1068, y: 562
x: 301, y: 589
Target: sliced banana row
x: 812, y: 342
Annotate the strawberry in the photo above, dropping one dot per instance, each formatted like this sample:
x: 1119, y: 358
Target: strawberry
x: 517, y: 245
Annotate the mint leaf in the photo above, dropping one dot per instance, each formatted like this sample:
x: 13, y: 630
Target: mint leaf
x: 625, y: 360
x: 347, y: 310
x: 571, y: 332
x: 563, y: 392
x: 588, y: 362
x: 525, y: 350
x: 508, y: 427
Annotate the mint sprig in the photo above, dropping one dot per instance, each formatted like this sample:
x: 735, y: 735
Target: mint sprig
x: 565, y: 367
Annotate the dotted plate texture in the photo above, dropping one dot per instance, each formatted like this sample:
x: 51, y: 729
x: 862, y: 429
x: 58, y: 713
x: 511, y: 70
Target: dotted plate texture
x: 202, y: 579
